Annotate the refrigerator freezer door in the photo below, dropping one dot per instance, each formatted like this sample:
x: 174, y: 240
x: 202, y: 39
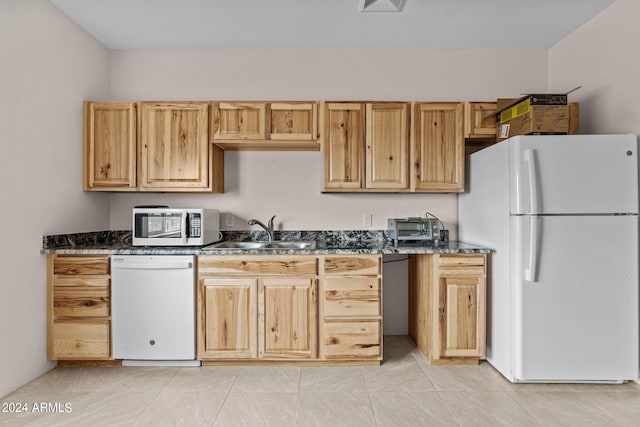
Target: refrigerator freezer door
x: 574, y: 174
x: 575, y: 318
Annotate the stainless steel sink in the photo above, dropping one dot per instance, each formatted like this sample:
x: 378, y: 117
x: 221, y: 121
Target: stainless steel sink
x: 276, y: 244
x: 291, y: 244
x: 239, y: 245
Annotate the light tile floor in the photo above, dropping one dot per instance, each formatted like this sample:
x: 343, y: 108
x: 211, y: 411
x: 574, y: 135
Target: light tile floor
x: 403, y: 391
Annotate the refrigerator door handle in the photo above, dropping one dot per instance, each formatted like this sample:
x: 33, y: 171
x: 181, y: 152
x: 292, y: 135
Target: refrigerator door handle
x: 530, y: 158
x: 532, y: 262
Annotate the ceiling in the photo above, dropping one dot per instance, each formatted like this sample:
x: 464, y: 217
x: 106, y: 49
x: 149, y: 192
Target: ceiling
x: 328, y: 24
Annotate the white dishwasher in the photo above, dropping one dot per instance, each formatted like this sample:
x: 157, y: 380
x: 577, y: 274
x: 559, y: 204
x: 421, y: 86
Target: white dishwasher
x: 153, y: 309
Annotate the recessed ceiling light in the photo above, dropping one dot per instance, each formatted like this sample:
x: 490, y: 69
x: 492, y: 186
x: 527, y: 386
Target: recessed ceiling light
x: 381, y: 5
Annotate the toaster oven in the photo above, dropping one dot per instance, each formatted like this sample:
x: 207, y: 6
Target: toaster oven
x: 415, y: 230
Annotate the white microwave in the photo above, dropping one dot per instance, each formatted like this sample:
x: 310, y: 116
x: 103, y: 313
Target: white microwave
x: 162, y: 226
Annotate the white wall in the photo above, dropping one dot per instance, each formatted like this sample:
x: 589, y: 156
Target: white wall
x: 288, y: 183
x: 602, y: 56
x: 48, y: 66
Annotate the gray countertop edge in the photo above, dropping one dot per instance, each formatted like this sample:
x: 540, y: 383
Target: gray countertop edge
x: 450, y: 248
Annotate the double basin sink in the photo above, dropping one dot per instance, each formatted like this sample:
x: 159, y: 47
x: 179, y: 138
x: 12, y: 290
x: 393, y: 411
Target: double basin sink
x: 274, y: 244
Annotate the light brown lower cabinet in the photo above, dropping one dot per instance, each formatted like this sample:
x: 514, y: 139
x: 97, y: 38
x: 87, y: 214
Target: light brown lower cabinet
x: 257, y: 307
x: 266, y: 308
x: 78, y: 307
x: 351, y: 307
x: 447, y: 295
x: 228, y: 319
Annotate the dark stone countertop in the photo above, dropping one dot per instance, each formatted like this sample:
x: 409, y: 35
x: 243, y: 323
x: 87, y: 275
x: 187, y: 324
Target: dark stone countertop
x: 341, y: 242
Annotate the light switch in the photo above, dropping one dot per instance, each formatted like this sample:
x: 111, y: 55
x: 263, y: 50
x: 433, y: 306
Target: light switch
x: 367, y: 220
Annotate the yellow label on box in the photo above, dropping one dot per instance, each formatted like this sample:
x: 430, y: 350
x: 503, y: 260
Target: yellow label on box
x: 517, y: 110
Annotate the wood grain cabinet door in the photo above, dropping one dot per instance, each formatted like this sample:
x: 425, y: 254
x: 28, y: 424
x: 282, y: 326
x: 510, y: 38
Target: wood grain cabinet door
x: 227, y: 327
x: 287, y: 318
x: 438, y: 147
x: 480, y: 119
x: 387, y: 146
x: 239, y: 120
x: 342, y: 146
x: 460, y: 316
x: 174, y: 146
x: 109, y: 147
x: 294, y: 121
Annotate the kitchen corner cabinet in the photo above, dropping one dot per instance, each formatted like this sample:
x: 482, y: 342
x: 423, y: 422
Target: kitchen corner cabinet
x: 257, y: 307
x: 78, y: 307
x: 174, y: 147
x: 152, y: 146
x: 351, y: 308
x: 447, y: 307
x: 365, y: 146
x: 109, y: 151
x: 479, y: 126
x: 244, y: 125
x: 480, y: 120
x: 438, y: 147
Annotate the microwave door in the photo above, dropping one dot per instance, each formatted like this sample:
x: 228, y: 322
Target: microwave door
x: 158, y: 225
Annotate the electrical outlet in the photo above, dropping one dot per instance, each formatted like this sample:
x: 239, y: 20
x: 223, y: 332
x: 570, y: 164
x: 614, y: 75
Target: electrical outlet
x: 228, y: 220
x: 367, y: 220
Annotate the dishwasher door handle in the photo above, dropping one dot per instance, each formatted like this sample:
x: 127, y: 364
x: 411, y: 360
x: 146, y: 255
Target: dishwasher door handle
x: 154, y: 266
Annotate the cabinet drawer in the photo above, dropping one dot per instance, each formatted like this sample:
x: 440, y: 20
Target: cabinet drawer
x: 81, y: 297
x: 263, y: 265
x: 74, y: 339
x: 365, y: 264
x: 352, y: 296
x: 352, y: 340
x: 75, y: 265
x: 461, y: 265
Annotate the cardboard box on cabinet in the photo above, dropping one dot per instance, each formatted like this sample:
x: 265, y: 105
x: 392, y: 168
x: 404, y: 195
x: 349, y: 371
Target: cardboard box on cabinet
x: 535, y: 114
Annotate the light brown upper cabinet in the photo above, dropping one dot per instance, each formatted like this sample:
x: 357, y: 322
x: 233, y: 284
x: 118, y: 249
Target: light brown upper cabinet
x: 342, y: 145
x: 239, y: 120
x: 438, y: 147
x: 387, y: 146
x: 109, y: 152
x: 480, y: 119
x: 365, y: 146
x: 294, y: 121
x: 265, y: 125
x: 175, y: 154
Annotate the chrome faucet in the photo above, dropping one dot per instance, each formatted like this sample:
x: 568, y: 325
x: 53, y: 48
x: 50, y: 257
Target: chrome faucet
x: 268, y: 229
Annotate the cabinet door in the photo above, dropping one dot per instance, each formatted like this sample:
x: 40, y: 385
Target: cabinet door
x: 342, y: 146
x: 387, y: 146
x: 480, y: 119
x: 438, y: 147
x: 239, y: 120
x: 109, y: 146
x: 287, y: 318
x: 294, y: 121
x: 460, y: 317
x: 174, y: 148
x: 227, y: 327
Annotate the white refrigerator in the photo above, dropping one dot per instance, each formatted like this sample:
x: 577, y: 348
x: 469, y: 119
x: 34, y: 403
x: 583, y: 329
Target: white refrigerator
x: 560, y: 214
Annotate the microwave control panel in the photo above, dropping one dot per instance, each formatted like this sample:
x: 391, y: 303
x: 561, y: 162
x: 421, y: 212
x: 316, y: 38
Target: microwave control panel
x: 195, y: 222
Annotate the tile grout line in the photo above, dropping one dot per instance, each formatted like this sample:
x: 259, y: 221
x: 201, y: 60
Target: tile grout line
x: 235, y: 377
